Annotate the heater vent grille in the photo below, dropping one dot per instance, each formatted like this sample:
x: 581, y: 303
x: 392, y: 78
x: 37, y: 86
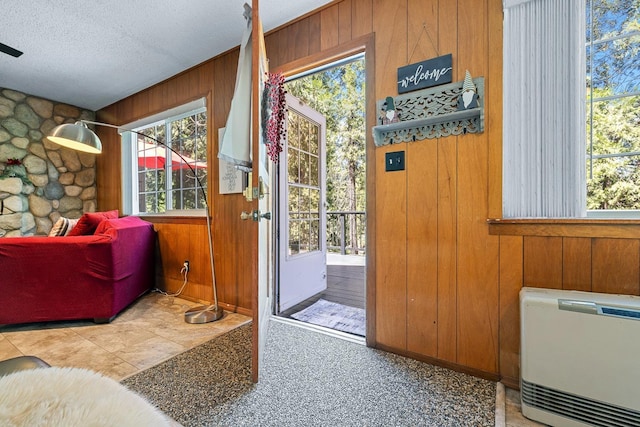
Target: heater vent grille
x: 578, y: 408
x: 621, y: 312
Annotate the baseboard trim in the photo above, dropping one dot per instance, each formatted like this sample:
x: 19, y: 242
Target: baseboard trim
x: 491, y: 376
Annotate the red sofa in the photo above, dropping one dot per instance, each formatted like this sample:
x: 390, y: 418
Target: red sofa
x: 76, y: 277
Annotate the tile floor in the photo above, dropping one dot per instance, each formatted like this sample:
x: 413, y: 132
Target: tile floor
x: 148, y: 332
x: 514, y: 417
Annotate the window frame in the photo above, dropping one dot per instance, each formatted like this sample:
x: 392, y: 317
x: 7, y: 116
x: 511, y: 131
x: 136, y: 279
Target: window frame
x: 129, y: 155
x: 590, y: 44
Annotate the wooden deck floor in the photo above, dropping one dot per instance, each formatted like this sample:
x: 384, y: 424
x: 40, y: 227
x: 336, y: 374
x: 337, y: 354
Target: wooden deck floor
x: 345, y: 285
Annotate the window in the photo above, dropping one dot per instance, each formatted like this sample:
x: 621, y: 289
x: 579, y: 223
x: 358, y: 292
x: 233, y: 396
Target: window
x: 304, y: 183
x: 613, y: 105
x: 164, y: 179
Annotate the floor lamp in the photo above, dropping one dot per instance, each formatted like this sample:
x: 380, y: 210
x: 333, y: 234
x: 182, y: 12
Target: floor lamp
x: 79, y: 137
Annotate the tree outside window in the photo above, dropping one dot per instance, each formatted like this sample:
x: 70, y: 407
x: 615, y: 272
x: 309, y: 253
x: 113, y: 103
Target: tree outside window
x: 613, y: 104
x: 167, y: 181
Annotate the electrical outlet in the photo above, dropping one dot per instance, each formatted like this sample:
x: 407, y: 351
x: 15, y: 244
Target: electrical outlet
x: 186, y: 265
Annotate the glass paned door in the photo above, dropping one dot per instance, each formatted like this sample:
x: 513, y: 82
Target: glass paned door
x: 302, y: 187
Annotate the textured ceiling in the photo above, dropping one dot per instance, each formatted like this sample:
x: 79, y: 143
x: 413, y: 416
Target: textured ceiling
x: 93, y: 53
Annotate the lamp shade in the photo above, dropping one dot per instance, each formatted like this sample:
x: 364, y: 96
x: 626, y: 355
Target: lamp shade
x: 76, y: 136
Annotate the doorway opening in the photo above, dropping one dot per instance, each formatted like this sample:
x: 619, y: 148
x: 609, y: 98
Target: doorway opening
x: 320, y: 272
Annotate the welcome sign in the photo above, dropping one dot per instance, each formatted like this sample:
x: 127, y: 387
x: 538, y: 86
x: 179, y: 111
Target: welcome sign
x: 431, y: 72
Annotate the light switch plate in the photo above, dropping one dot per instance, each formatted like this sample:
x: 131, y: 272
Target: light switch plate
x: 394, y: 161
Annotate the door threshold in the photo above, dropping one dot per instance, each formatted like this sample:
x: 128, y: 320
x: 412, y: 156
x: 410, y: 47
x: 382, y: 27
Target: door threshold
x: 321, y: 329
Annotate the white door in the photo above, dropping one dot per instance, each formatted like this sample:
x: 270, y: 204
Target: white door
x: 265, y: 249
x: 302, y: 208
x: 260, y: 196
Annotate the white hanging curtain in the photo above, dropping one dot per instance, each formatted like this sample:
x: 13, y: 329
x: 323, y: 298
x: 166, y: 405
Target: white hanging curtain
x: 544, y: 172
x: 235, y: 146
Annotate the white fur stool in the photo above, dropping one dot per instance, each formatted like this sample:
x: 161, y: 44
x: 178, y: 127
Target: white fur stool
x: 73, y: 397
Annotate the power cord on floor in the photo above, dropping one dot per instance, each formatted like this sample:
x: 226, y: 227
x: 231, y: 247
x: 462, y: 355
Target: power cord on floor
x: 184, y: 272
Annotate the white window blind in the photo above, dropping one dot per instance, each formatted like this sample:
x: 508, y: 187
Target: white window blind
x: 544, y: 109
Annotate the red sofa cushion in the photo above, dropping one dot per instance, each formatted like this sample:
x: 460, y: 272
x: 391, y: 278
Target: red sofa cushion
x: 89, y: 221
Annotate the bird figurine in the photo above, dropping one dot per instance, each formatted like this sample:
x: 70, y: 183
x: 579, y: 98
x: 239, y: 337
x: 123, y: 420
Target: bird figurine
x: 389, y: 113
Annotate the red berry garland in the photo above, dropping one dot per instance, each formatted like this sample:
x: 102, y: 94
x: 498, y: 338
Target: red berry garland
x: 276, y: 106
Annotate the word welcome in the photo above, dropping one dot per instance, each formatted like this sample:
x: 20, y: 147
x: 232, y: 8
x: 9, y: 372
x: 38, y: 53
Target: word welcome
x: 425, y: 74
x: 421, y: 75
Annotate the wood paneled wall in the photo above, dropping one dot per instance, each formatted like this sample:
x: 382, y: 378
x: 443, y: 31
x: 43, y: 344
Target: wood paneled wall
x: 444, y: 287
x: 436, y: 265
x: 436, y: 271
x: 583, y: 255
x: 186, y: 238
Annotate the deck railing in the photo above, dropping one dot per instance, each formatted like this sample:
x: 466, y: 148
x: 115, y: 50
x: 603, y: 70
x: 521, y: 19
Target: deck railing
x: 346, y: 232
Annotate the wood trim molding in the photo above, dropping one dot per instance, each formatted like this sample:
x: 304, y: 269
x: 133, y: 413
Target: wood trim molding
x: 364, y: 44
x: 370, y: 154
x: 344, y: 50
x: 162, y: 219
x: 513, y: 383
x: 443, y: 363
x: 566, y: 227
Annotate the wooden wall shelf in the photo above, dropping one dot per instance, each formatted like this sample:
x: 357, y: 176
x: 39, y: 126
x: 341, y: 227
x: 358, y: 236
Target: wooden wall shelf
x: 431, y: 113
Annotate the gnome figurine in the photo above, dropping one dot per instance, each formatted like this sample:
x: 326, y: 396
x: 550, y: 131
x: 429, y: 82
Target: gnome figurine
x: 389, y: 113
x: 469, y: 97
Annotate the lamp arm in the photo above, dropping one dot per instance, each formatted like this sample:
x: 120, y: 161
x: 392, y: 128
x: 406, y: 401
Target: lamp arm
x: 204, y: 196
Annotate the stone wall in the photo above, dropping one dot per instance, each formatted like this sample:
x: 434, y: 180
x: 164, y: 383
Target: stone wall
x: 40, y: 181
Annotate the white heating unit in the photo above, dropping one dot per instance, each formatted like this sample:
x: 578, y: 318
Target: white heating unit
x: 580, y: 358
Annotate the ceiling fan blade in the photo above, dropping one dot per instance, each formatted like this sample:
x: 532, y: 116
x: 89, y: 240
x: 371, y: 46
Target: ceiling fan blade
x: 9, y: 50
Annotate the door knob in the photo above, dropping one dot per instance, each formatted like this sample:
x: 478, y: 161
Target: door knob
x: 255, y: 215
x: 266, y: 215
